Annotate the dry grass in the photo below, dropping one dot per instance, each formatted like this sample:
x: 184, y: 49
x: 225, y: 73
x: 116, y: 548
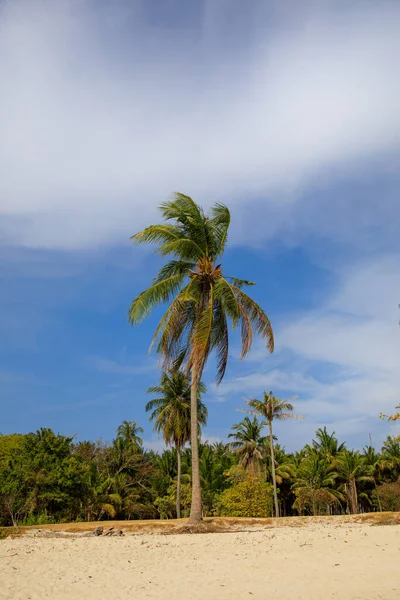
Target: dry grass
x: 209, y: 525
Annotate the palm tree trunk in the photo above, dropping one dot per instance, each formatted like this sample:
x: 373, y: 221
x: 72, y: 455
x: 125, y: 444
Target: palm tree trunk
x: 271, y: 445
x: 178, y: 487
x: 195, y: 509
x: 354, y: 499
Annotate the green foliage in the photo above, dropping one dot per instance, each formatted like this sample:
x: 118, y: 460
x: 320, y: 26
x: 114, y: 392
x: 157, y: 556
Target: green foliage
x: 42, y: 519
x: 201, y: 299
x: 171, y: 410
x: 248, y: 496
x: 47, y: 478
x: 314, y: 486
x: 248, y: 443
x: 387, y: 496
x: 165, y: 507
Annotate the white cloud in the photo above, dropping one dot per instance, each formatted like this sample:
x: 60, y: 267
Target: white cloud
x: 100, y: 121
x: 210, y: 439
x: 349, y: 351
x: 155, y: 444
x: 132, y: 366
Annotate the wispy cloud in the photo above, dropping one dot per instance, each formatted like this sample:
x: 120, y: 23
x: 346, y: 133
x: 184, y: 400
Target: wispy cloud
x: 103, y: 131
x: 136, y: 367
x: 350, y: 351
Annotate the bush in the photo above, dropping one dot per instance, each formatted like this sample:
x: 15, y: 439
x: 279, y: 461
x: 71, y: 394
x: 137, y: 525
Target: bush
x: 165, y: 507
x: 43, y: 519
x: 387, y: 496
x: 248, y: 496
x: 313, y: 501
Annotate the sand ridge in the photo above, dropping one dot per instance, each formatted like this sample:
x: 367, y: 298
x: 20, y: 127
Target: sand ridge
x: 320, y: 560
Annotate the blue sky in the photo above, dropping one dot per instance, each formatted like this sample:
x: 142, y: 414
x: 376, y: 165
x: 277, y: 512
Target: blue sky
x: 289, y: 113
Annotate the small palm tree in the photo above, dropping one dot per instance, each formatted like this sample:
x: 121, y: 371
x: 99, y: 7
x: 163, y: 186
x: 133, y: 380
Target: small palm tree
x: 171, y: 415
x: 202, y: 299
x: 351, y: 467
x: 128, y: 432
x: 315, y: 484
x: 327, y: 444
x: 248, y: 443
x: 373, y: 463
x: 271, y: 408
x: 391, y: 456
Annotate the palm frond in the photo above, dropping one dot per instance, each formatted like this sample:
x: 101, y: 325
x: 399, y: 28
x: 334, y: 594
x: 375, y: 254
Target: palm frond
x: 157, y: 234
x: 239, y: 283
x: 219, y: 223
x: 174, y: 267
x: 257, y: 317
x: 154, y: 295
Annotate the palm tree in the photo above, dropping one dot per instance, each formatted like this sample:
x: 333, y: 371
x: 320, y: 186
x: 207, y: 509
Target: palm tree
x: 201, y: 301
x: 271, y: 408
x: 171, y: 415
x: 314, y: 485
x: 128, y: 432
x: 373, y: 463
x: 351, y: 467
x: 327, y: 444
x: 391, y: 456
x: 284, y: 472
x: 248, y: 443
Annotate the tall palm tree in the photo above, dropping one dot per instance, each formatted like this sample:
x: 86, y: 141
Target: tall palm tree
x: 171, y: 415
x: 285, y: 471
x: 271, y: 408
x: 201, y: 301
x: 248, y: 443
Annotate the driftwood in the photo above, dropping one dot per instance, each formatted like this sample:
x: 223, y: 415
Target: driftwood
x: 98, y: 532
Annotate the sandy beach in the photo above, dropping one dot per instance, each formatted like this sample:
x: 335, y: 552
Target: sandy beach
x: 321, y: 560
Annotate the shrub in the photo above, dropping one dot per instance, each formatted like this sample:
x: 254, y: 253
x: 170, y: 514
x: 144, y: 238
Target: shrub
x: 387, y: 496
x: 165, y: 507
x: 313, y: 501
x: 249, y: 496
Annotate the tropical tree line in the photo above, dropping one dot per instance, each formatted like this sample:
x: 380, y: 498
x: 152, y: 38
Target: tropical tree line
x: 47, y: 478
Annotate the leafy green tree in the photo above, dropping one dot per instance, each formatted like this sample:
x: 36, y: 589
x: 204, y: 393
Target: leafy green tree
x: 171, y: 415
x: 43, y: 477
x: 270, y: 409
x: 215, y: 460
x: 387, y: 496
x: 201, y: 301
x: 248, y: 443
x: 248, y: 496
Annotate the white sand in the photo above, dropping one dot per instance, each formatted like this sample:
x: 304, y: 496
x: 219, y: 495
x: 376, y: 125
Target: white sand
x: 317, y: 562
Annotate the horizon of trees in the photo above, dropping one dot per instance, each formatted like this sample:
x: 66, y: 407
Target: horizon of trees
x: 47, y: 477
